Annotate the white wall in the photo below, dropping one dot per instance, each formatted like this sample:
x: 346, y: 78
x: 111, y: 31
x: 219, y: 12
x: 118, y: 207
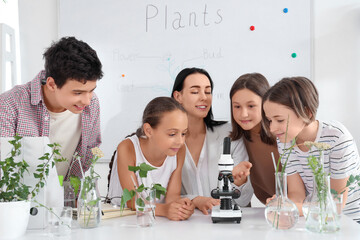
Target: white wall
x: 38, y: 28
x: 9, y: 15
x: 336, y: 56
x: 337, y: 61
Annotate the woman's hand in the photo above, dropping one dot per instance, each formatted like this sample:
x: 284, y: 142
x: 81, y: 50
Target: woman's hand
x: 180, y: 209
x: 205, y: 204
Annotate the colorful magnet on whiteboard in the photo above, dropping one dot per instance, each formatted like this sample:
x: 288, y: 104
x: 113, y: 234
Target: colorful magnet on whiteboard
x: 252, y: 28
x: 123, y: 75
x: 285, y: 10
x: 293, y: 55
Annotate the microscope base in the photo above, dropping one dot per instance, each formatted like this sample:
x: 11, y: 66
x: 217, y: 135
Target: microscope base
x: 218, y: 215
x: 232, y: 219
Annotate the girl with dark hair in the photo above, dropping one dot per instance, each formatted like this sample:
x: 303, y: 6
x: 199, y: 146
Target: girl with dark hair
x: 289, y: 112
x: 159, y: 143
x: 193, y: 90
x: 245, y: 96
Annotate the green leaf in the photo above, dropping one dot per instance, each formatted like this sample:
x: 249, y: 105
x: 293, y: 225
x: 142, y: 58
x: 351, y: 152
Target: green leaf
x: 140, y: 188
x: 94, y: 202
x: 142, y: 174
x: 146, y: 167
x: 333, y: 191
x: 126, y: 195
x: 132, y: 193
x: 133, y: 168
x: 140, y: 202
x: 351, y: 179
x: 158, y: 187
x: 75, y: 183
x: 160, y: 190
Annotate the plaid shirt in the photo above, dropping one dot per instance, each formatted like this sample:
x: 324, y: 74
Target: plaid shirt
x: 23, y: 112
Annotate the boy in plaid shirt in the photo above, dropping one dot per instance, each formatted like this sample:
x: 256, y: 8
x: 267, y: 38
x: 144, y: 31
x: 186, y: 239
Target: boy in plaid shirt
x: 59, y: 103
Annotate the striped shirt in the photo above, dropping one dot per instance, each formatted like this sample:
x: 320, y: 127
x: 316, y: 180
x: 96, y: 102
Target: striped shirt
x: 341, y: 161
x: 23, y: 112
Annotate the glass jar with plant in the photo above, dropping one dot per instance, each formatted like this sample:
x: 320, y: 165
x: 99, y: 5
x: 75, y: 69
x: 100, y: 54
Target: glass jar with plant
x: 89, y: 205
x: 145, y: 196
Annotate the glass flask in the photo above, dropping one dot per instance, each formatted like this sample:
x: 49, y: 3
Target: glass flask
x: 281, y: 212
x: 322, y: 214
x: 307, y: 201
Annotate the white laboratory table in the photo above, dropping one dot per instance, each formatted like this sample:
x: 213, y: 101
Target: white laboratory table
x: 199, y: 226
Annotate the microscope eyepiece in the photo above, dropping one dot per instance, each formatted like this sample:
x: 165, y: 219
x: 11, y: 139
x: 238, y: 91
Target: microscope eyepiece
x: 226, y: 149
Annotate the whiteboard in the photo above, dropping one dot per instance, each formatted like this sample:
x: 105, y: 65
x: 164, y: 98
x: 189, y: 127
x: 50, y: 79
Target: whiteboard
x: 144, y: 44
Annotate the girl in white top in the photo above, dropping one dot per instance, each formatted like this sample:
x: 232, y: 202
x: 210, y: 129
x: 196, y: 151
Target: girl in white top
x: 159, y: 143
x: 297, y: 100
x: 204, y: 139
x: 161, y: 175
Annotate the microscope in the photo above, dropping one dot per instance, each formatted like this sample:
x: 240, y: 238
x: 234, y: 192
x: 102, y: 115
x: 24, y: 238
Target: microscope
x: 226, y: 212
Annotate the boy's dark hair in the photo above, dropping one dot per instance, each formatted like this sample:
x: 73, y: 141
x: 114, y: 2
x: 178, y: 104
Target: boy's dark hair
x: 257, y: 84
x: 179, y: 84
x: 298, y: 94
x: 71, y: 58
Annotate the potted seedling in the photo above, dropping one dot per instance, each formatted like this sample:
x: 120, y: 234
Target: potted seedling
x: 15, y: 195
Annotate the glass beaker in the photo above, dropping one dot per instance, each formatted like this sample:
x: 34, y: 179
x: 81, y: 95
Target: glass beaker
x: 59, y: 220
x: 145, y: 207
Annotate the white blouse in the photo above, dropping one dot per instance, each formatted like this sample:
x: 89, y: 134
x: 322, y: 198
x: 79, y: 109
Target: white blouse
x: 200, y: 180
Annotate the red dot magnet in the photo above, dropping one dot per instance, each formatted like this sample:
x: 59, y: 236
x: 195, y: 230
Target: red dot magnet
x: 252, y: 28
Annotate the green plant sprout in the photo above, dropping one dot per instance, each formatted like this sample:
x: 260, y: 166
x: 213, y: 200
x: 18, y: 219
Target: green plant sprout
x: 143, y: 170
x: 353, y: 180
x: 285, y: 150
x: 88, y: 182
x: 350, y: 183
x: 12, y: 187
x: 317, y: 168
x: 75, y: 183
x: 277, y: 166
